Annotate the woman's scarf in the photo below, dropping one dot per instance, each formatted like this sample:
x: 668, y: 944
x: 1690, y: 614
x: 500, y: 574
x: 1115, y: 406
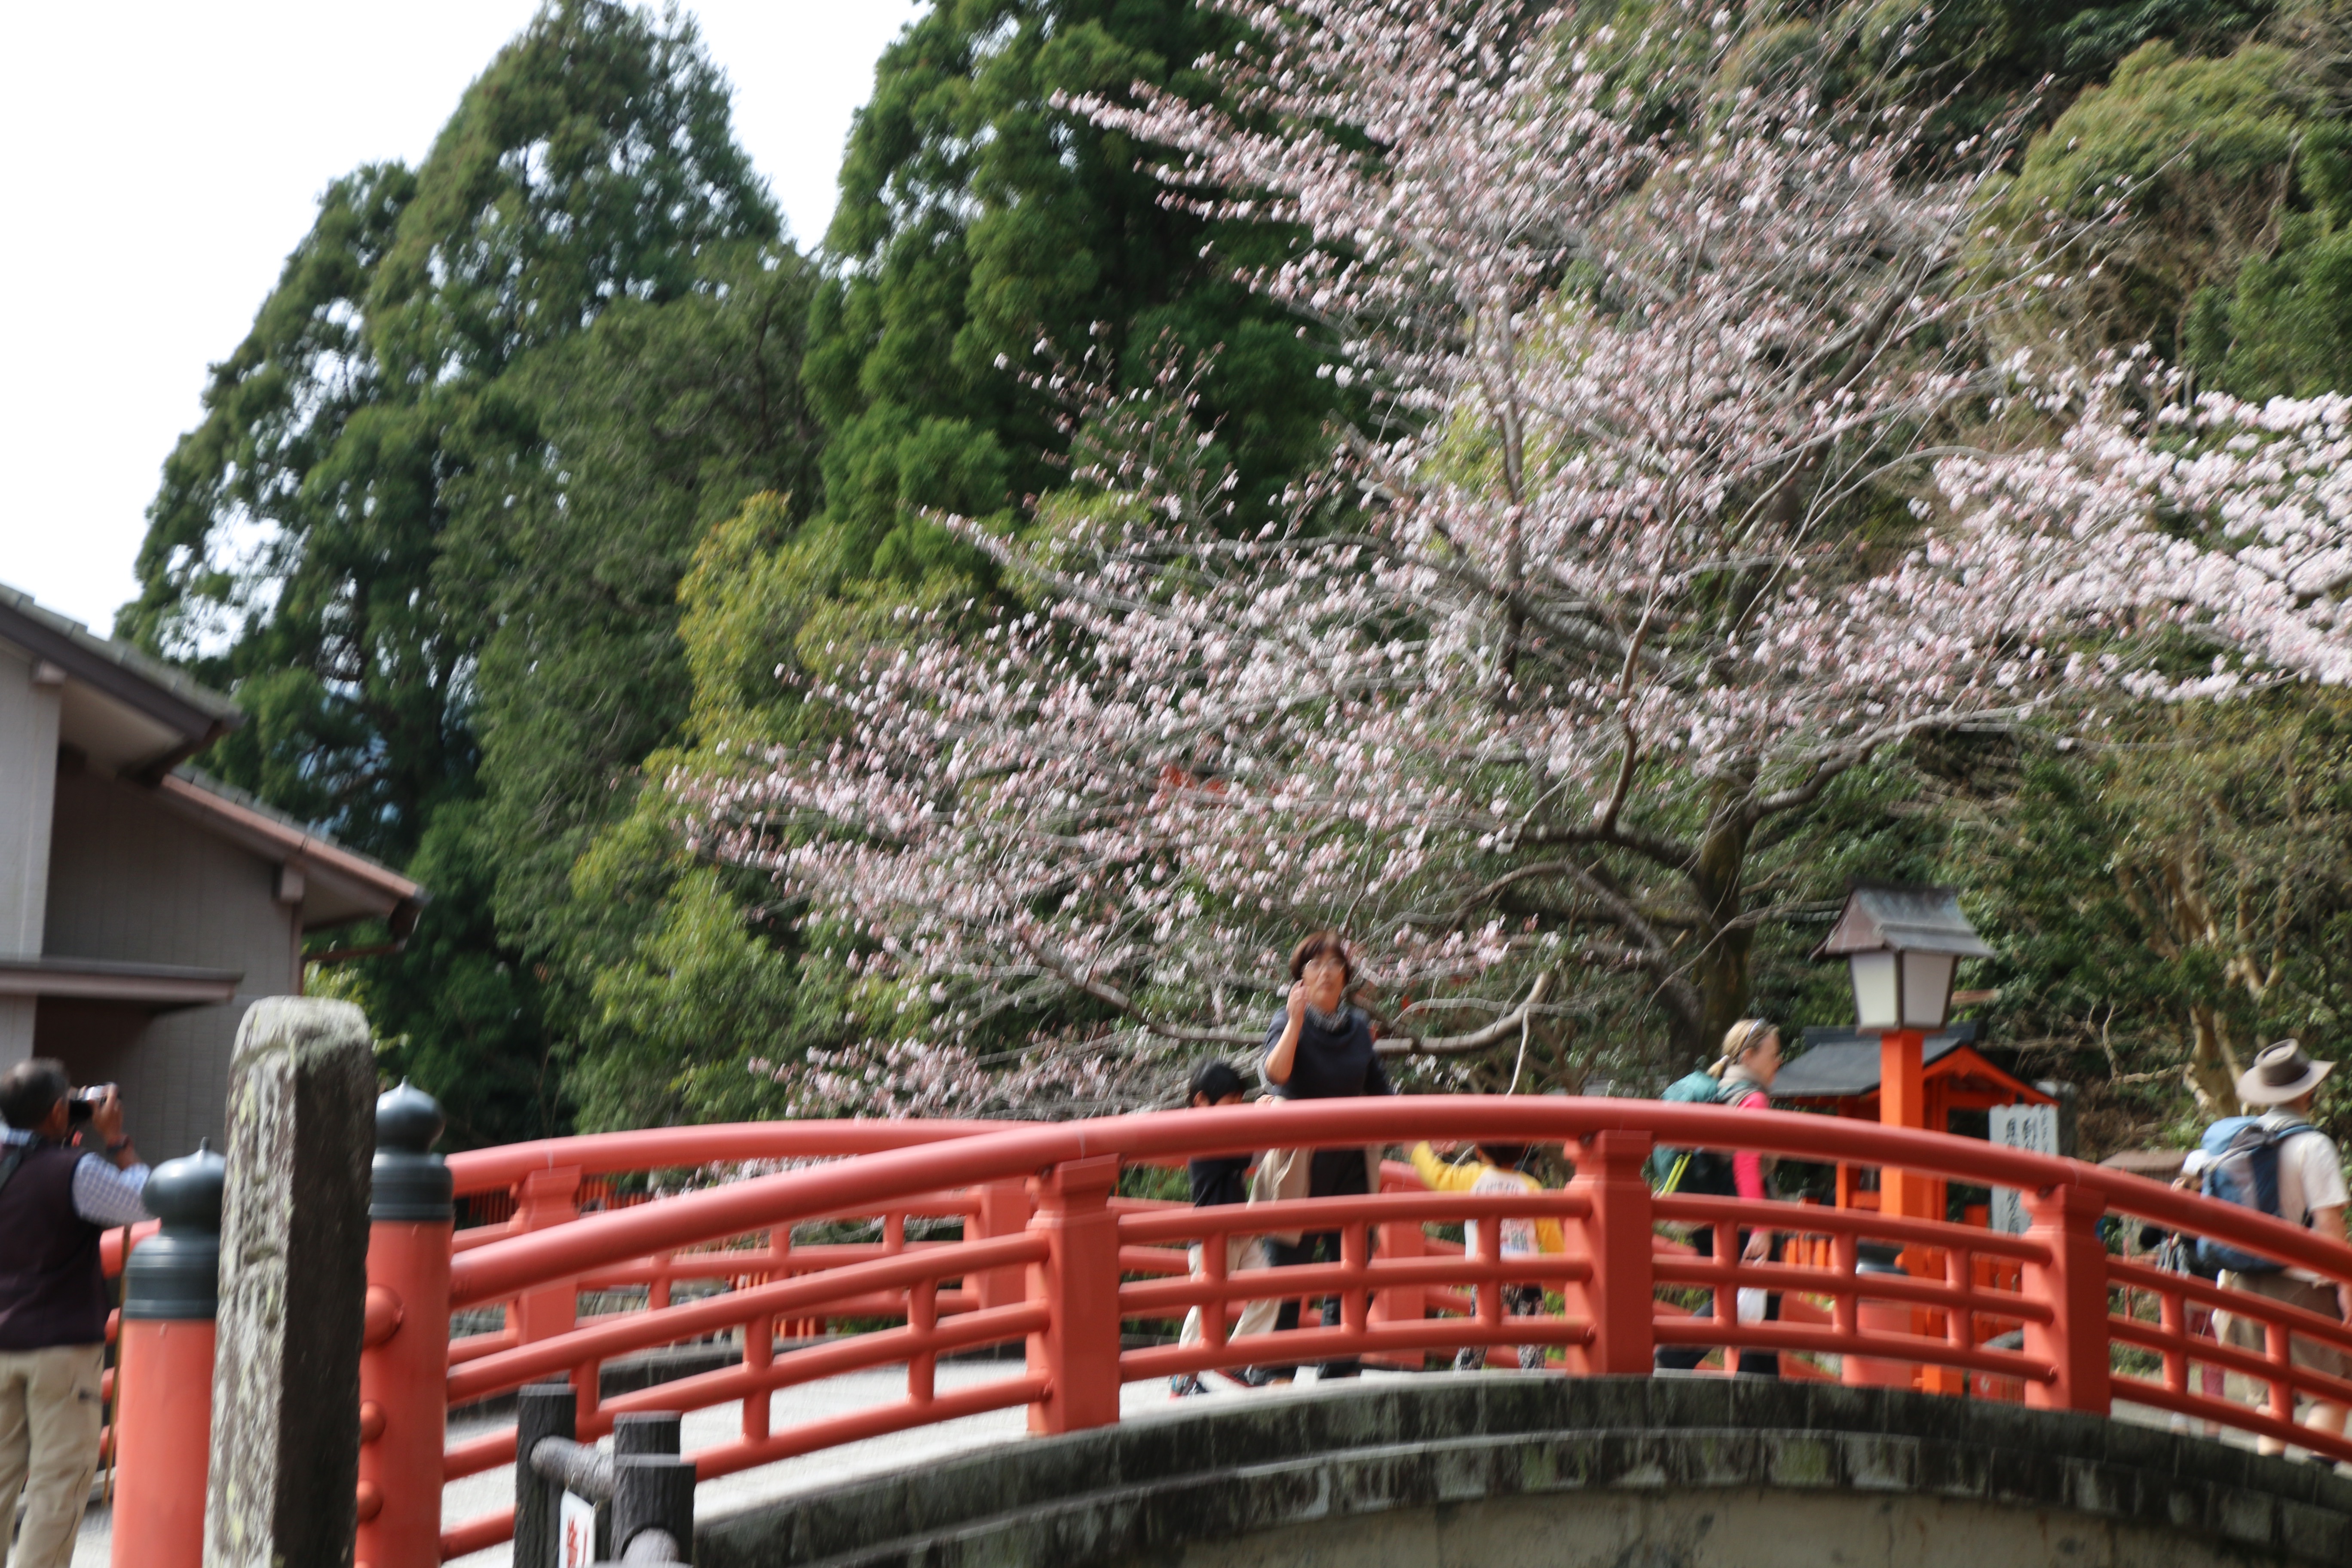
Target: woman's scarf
x: 1337, y: 1023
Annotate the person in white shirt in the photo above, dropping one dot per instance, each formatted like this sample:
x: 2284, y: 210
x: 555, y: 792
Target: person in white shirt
x: 2311, y: 1193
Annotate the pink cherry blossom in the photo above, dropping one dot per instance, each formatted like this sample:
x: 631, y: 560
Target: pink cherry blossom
x: 1605, y: 582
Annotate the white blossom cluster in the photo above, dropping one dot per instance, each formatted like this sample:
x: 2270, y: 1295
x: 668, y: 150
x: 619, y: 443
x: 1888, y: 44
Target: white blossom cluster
x: 1606, y: 578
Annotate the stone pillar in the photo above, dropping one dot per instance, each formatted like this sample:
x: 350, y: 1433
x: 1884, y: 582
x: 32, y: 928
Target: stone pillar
x: 294, y: 1243
x: 28, y: 792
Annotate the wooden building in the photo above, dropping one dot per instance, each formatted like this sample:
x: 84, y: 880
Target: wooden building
x: 143, y: 906
x: 1839, y: 1070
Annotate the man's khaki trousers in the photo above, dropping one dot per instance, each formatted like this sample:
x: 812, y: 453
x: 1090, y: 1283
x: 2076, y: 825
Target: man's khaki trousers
x: 50, y: 1415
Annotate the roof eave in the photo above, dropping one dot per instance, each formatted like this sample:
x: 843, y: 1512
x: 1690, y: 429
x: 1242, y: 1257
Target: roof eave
x: 199, y: 722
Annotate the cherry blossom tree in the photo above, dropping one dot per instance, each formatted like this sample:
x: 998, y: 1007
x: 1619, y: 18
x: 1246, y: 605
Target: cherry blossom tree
x: 1689, y: 485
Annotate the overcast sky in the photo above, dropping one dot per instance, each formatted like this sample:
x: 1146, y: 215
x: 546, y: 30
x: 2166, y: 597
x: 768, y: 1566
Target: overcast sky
x: 163, y: 158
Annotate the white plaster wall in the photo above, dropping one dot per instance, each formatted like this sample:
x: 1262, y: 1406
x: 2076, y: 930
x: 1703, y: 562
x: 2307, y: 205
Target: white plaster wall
x: 29, y: 771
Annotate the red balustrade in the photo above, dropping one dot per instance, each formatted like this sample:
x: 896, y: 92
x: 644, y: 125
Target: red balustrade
x: 1048, y: 1256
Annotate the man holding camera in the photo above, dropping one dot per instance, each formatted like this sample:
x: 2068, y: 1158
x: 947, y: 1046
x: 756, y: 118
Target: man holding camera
x: 57, y: 1196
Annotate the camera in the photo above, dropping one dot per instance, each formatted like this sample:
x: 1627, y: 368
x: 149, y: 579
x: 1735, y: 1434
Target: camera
x: 81, y: 1104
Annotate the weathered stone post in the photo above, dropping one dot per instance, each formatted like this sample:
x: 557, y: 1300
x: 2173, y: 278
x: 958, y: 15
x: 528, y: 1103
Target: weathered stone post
x: 293, y: 1284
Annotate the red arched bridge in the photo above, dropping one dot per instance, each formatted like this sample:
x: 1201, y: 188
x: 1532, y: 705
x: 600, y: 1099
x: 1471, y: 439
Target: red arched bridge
x: 1052, y: 1258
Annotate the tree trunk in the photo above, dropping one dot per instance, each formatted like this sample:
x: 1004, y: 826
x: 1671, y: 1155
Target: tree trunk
x: 1721, y: 968
x: 2212, y: 1074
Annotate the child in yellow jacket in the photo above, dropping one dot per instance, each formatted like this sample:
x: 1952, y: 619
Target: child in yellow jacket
x: 1495, y: 1168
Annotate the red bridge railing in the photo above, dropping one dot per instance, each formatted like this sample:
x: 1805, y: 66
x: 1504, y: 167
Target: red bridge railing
x: 1046, y: 1254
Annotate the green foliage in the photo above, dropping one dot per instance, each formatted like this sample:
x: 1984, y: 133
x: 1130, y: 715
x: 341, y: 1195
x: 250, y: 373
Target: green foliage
x: 697, y: 984
x: 464, y: 1013
x: 2200, y: 157
x: 2168, y: 895
x: 681, y: 1021
x: 651, y: 426
x: 366, y: 539
x: 975, y: 219
x: 2283, y: 327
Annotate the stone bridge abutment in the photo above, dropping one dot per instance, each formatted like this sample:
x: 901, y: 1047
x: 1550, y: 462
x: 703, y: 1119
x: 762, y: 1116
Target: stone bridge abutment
x: 1538, y: 1471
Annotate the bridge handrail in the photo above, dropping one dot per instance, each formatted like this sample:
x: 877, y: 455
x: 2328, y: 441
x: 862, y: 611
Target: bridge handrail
x: 511, y: 1369
x: 479, y: 1171
x: 515, y: 1263
x: 1050, y: 1258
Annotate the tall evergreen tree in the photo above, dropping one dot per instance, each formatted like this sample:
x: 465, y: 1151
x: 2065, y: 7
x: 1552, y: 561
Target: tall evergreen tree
x: 297, y: 551
x: 977, y: 218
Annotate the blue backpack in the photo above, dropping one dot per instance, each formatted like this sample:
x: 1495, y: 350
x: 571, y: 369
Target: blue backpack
x: 2244, y: 1171
x: 1675, y: 1169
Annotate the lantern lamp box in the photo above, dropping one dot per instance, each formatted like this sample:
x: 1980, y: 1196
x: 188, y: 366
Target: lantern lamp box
x: 575, y: 1532
x: 2033, y: 1128
x: 1902, y: 942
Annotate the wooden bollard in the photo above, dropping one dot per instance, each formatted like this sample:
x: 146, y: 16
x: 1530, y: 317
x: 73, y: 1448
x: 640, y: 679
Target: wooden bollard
x: 404, y: 1369
x: 171, y: 1294
x: 294, y: 1237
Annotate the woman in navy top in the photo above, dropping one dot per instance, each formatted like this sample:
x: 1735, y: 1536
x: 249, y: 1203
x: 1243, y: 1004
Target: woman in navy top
x: 1319, y: 1047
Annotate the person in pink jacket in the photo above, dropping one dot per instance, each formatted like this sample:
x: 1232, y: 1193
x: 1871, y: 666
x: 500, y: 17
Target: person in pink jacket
x: 1751, y: 1060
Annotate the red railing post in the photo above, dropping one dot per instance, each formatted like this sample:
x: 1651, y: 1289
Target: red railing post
x: 1400, y: 1304
x: 404, y: 1359
x: 163, y: 1375
x: 1005, y: 1210
x: 759, y: 1356
x: 1077, y: 1350
x: 2065, y: 1219
x: 1614, y: 1239
x: 547, y: 1198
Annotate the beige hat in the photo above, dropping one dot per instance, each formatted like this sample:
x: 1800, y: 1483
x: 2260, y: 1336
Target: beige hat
x: 2282, y: 1072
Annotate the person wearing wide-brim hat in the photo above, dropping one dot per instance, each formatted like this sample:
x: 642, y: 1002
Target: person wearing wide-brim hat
x: 2311, y: 1193
x: 2284, y: 1074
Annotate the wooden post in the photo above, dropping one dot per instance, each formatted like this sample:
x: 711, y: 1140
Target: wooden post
x: 1902, y: 1102
x: 164, y: 1377
x: 542, y: 1410
x: 1077, y: 1350
x: 652, y: 1491
x: 542, y: 1199
x: 2075, y: 1282
x: 1005, y: 1210
x: 283, y: 1484
x: 403, y: 1369
x: 1614, y: 1238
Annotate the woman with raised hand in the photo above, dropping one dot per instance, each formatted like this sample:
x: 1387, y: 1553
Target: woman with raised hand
x: 1319, y: 1048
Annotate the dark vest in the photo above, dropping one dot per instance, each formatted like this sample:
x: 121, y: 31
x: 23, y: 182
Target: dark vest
x: 52, y: 1290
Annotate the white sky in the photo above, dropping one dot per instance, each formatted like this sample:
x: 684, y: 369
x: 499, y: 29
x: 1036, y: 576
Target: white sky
x: 163, y: 158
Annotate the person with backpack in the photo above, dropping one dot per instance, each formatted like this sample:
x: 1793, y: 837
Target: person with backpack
x: 2278, y: 1163
x: 1742, y: 1077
